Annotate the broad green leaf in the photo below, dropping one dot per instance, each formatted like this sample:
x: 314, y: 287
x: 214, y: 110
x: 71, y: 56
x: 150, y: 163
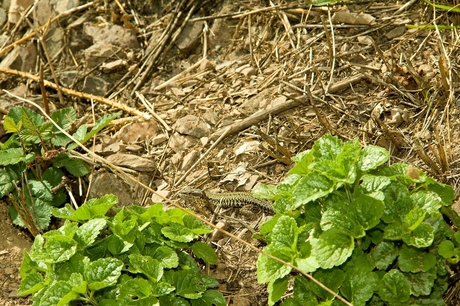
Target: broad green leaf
x: 30, y: 284
x: 210, y: 298
x: 269, y: 269
x: 358, y: 288
x: 394, y: 287
x: 421, y: 237
x: 371, y: 183
x: 146, y: 265
x: 178, y: 232
x: 371, y: 157
x: 166, y: 255
x: 414, y: 218
x: 64, y: 118
x: 12, y: 156
x: 397, y: 203
x: 188, y: 284
x: 414, y: 260
x: 10, y: 126
x: 447, y: 249
x: 100, y: 124
x: 311, y: 187
x: 78, y: 135
x: 94, y: 208
x: 41, y: 214
x: 332, y: 248
x: 58, y: 293
x: 75, y: 166
x: 446, y: 192
x: 7, y: 177
x: 205, y: 252
x: 427, y: 200
x: 75, y: 265
x: 103, y: 273
x: 284, y: 234
x: 195, y: 225
x: 276, y: 289
x: 53, y: 176
x: 87, y: 233
x: 421, y: 283
x: 303, y: 161
x: 41, y: 189
x: 384, y: 254
x: 54, y: 250
x: 77, y: 283
x: 30, y: 119
x: 331, y: 278
x: 394, y: 231
x: 337, y: 160
x: 134, y: 291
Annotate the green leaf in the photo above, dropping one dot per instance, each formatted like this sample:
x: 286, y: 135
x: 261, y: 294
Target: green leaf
x: 58, y: 293
x: 311, y: 187
x: 188, y: 284
x: 332, y: 248
x: 384, y: 254
x: 196, y: 226
x: 371, y: 157
x: 210, y: 298
x: 56, y: 249
x: 103, y: 273
x: 359, y: 287
x: 78, y: 135
x: 414, y: 218
x: 87, y: 233
x: 7, y: 177
x: 331, y: 278
x: 205, y: 252
x: 11, y: 126
x: 178, y: 232
x: 30, y: 284
x: 421, y: 283
x: 12, y: 156
x: 276, y: 289
x: 75, y: 166
x: 421, y: 237
x: 284, y: 234
x: 100, y: 124
x: 414, y: 260
x: 446, y: 192
x: 164, y: 254
x: 427, y: 200
x: 269, y: 269
x: 134, y: 291
x: 94, y: 208
x: 303, y: 161
x: 41, y: 189
x: 394, y: 287
x: 447, y: 249
x: 147, y: 265
x: 64, y: 118
x: 397, y: 203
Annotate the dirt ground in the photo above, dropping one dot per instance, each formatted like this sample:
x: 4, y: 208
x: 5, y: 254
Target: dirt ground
x: 244, y: 72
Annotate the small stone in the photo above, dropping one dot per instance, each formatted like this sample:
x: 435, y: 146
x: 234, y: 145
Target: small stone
x: 192, y: 125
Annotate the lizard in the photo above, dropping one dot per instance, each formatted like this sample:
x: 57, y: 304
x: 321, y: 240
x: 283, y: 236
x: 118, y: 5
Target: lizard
x: 226, y: 199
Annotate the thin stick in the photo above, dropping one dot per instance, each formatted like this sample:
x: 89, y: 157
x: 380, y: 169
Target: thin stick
x: 78, y: 94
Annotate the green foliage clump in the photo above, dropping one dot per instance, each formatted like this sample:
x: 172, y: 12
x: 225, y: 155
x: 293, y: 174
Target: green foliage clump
x: 136, y: 257
x: 372, y: 233
x: 34, y: 160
